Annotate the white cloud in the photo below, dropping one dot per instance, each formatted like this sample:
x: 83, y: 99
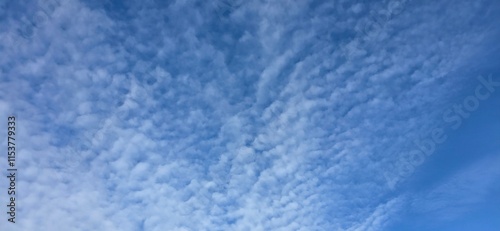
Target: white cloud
x: 175, y: 119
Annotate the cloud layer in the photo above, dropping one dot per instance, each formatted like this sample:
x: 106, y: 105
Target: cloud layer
x: 231, y: 115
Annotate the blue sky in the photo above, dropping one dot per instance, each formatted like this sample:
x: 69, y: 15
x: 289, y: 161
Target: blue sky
x: 252, y: 115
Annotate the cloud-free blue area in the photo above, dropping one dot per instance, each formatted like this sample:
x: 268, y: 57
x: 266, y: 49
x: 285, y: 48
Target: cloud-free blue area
x: 467, y: 203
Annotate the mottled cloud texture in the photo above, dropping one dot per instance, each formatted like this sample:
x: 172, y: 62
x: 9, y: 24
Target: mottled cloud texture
x: 230, y: 115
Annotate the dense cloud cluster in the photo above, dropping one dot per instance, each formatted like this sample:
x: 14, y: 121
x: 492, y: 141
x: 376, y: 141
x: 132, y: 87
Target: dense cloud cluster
x: 226, y: 115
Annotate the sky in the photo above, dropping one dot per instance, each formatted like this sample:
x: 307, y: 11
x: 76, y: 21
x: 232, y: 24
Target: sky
x: 189, y: 115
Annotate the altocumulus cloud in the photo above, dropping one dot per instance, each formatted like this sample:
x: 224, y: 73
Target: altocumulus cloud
x: 190, y: 115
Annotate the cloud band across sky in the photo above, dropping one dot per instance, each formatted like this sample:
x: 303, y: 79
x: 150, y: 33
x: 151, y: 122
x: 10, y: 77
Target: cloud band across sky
x: 258, y: 115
